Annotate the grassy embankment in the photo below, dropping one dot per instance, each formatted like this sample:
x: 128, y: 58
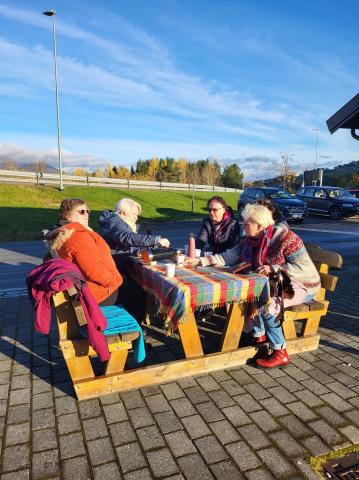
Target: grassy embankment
x: 26, y: 210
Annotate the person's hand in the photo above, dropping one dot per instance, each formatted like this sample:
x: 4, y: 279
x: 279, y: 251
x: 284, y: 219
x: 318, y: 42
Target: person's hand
x: 264, y: 269
x: 164, y: 242
x: 192, y: 261
x: 50, y: 234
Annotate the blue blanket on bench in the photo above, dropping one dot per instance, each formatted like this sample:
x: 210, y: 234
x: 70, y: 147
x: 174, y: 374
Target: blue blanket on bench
x: 119, y: 321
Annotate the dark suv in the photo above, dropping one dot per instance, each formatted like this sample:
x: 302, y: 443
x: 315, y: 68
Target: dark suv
x: 290, y: 207
x: 337, y: 202
x: 354, y: 191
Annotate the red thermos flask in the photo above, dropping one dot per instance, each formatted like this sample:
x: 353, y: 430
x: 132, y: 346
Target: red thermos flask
x: 191, y: 246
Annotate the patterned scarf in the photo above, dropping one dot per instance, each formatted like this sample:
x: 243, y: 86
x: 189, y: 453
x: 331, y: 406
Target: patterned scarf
x: 255, y: 249
x: 218, y: 227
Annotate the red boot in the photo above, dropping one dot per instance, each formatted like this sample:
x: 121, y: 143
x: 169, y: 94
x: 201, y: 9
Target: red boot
x: 261, y: 339
x: 276, y: 359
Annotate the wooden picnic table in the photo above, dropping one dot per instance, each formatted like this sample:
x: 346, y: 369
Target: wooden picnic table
x: 191, y: 289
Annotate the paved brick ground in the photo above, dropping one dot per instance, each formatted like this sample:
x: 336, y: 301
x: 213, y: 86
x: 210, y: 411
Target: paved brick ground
x: 233, y: 424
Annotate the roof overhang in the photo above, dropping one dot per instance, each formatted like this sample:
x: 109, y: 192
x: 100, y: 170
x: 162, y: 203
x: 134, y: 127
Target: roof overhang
x: 346, y: 117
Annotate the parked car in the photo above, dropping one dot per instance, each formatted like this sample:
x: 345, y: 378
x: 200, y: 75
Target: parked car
x: 337, y: 202
x: 290, y: 207
x: 354, y: 191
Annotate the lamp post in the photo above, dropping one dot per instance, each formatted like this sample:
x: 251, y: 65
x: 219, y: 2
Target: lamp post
x: 52, y: 13
x: 321, y: 170
x: 316, y: 148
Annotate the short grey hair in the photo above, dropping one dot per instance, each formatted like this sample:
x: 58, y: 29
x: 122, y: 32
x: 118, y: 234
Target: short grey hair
x: 258, y: 214
x: 125, y: 203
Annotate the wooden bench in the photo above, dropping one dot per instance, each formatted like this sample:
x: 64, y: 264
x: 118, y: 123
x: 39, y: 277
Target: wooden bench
x: 310, y: 313
x: 77, y: 351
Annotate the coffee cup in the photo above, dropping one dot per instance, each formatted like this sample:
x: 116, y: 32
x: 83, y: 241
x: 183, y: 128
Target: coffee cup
x: 180, y: 259
x: 170, y: 269
x: 198, y: 252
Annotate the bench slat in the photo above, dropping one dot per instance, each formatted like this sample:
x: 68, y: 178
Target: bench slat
x: 316, y: 305
x: 81, y: 348
x: 329, y: 282
x: 79, y: 313
x: 122, y: 337
x: 312, y: 305
x: 318, y: 255
x: 303, y: 307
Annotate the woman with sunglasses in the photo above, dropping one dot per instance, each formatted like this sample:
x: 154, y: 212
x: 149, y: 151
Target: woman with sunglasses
x: 220, y: 230
x: 76, y: 242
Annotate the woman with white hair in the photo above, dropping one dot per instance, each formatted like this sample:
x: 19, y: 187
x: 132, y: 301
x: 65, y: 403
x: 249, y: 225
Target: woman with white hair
x: 269, y: 248
x: 119, y: 228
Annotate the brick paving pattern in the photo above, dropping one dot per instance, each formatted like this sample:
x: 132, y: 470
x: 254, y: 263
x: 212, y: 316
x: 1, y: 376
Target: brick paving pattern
x: 241, y: 423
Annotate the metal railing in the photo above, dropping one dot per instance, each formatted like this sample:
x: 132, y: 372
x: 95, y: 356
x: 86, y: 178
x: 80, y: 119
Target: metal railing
x: 35, y: 178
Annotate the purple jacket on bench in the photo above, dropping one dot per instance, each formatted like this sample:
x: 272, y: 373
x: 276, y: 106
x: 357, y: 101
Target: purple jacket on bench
x: 57, y: 275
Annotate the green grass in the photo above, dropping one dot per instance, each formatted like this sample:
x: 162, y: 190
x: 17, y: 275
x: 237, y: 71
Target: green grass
x: 26, y: 210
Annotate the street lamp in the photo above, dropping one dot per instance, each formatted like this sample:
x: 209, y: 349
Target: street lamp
x: 52, y: 13
x: 316, y: 149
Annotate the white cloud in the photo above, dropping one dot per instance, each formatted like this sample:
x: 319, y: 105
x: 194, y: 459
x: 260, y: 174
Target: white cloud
x: 142, y: 74
x: 22, y: 155
x: 256, y: 131
x: 255, y: 162
x: 172, y: 91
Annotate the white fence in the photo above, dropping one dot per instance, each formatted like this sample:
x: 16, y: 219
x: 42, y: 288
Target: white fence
x: 14, y: 176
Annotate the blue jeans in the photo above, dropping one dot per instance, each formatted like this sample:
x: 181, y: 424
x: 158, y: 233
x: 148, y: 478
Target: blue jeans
x: 269, y: 324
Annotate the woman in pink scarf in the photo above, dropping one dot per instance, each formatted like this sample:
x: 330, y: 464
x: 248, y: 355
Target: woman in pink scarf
x: 220, y: 230
x: 271, y: 248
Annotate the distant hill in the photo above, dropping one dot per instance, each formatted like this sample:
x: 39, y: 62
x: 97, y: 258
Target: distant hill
x: 347, y: 169
x: 346, y: 175
x: 352, y: 167
x: 27, y: 167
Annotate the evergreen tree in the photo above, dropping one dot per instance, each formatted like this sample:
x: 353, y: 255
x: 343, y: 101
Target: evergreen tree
x: 232, y: 176
x: 141, y: 168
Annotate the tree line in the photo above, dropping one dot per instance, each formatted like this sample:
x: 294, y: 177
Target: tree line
x: 169, y: 169
x: 204, y: 172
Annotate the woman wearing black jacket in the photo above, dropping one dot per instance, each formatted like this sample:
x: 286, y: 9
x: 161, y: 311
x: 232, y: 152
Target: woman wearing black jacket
x: 220, y: 230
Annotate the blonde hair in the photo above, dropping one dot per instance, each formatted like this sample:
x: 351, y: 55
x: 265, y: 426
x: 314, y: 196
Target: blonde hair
x: 258, y: 214
x: 123, y: 205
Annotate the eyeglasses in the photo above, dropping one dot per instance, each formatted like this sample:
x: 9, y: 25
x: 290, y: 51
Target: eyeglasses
x: 215, y: 209
x: 83, y: 212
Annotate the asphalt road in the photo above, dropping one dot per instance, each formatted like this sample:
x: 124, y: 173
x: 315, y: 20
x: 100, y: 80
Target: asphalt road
x: 17, y: 258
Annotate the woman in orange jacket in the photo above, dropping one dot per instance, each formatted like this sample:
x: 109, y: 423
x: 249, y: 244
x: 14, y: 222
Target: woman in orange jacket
x: 76, y: 242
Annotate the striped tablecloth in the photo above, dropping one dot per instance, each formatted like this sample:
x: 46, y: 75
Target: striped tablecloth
x: 194, y: 287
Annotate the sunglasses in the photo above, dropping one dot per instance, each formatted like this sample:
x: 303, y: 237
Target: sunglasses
x: 83, y: 212
x: 214, y: 209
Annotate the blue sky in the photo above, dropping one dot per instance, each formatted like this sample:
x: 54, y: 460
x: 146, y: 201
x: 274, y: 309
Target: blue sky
x: 236, y: 80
